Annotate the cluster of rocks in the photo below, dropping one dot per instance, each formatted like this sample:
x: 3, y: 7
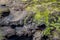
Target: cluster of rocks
x: 13, y: 25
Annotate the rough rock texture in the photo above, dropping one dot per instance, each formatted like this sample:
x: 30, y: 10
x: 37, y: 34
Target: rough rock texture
x: 29, y: 20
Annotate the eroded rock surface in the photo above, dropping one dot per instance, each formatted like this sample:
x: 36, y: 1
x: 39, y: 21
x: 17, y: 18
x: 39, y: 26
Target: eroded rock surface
x: 17, y: 20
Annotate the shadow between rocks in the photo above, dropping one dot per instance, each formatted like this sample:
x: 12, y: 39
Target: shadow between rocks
x: 16, y: 37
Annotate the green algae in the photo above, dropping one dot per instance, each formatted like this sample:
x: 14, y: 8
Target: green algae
x: 42, y: 15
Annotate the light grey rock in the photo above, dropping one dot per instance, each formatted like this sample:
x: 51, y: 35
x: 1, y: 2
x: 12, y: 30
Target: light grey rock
x: 37, y: 35
x: 7, y: 31
x: 19, y: 31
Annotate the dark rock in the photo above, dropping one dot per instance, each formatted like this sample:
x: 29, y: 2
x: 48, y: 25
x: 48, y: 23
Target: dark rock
x: 6, y: 13
x: 44, y: 37
x: 41, y: 27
